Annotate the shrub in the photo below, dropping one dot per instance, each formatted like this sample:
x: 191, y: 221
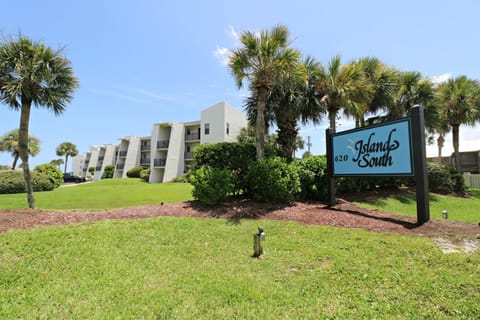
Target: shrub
x: 212, y: 185
x: 91, y: 170
x: 108, y: 172
x: 273, y: 180
x: 135, y: 172
x: 233, y: 156
x: 439, y: 179
x: 52, y: 171
x: 313, y: 179
x: 145, y: 175
x: 13, y: 182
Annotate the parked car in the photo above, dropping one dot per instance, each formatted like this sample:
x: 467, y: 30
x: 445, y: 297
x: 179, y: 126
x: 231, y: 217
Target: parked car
x: 70, y: 177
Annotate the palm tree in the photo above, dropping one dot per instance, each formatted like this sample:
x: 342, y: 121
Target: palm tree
x: 459, y: 100
x: 260, y: 60
x: 57, y: 162
x: 9, y: 143
x: 292, y: 98
x: 32, y: 73
x: 412, y: 90
x: 299, y: 144
x: 341, y: 86
x: 382, y: 86
x: 66, y: 149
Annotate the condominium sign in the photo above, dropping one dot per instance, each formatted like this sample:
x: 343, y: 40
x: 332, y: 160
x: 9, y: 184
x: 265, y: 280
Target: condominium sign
x: 395, y: 149
x: 383, y: 150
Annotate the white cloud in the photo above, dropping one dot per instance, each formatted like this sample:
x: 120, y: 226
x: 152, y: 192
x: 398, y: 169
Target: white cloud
x: 440, y: 78
x: 223, y: 55
x: 234, y: 34
x: 469, y: 140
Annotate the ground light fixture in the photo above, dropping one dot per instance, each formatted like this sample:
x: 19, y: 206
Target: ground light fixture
x: 445, y: 214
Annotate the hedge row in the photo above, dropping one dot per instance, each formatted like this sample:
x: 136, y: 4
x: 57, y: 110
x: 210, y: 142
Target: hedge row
x: 231, y: 169
x: 13, y: 182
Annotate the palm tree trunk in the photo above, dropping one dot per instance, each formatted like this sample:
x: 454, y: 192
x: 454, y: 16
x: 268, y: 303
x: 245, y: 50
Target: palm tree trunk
x: 260, y: 121
x: 23, y: 149
x: 455, y: 138
x: 66, y: 161
x: 15, y: 159
x: 440, y: 142
x: 332, y: 115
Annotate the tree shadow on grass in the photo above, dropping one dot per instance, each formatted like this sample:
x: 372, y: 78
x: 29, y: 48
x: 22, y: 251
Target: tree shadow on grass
x: 406, y: 224
x: 236, y: 208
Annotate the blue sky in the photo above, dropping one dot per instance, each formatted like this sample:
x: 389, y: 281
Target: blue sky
x: 142, y: 62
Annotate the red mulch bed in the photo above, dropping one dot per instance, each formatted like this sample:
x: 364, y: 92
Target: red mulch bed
x: 344, y: 214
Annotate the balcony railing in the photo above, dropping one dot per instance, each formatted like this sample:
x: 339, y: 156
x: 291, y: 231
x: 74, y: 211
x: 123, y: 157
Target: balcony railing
x: 144, y: 162
x: 120, y: 166
x: 84, y: 169
x: 101, y: 158
x: 192, y: 137
x: 145, y: 148
x: 159, y: 162
x: 189, y: 155
x: 162, y: 144
x: 470, y: 164
x: 98, y: 168
x: 122, y: 154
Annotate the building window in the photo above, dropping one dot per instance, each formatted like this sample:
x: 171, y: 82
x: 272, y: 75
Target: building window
x: 207, y: 128
x: 228, y: 128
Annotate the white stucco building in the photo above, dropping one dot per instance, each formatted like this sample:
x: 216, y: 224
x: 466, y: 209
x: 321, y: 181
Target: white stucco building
x: 169, y: 150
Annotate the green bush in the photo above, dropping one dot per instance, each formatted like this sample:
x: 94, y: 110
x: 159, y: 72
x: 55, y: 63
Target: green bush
x: 108, y: 172
x: 52, y: 171
x: 145, y: 175
x: 313, y: 179
x: 135, y: 172
x: 13, y: 182
x: 439, y: 178
x: 212, y: 185
x: 234, y: 156
x: 273, y: 180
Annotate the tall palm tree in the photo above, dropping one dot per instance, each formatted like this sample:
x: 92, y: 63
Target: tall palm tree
x: 299, y: 144
x: 459, y: 100
x: 66, y: 149
x: 57, y: 162
x: 413, y: 89
x: 32, y: 73
x: 382, y: 86
x: 341, y: 86
x: 260, y: 60
x: 291, y: 99
x: 9, y: 143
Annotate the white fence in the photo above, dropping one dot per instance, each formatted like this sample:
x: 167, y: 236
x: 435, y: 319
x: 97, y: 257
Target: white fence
x: 472, y: 180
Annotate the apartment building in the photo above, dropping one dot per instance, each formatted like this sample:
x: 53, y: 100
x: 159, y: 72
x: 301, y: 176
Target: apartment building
x: 169, y: 151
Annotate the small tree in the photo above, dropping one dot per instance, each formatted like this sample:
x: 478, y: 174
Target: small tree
x: 67, y: 149
x: 57, y: 162
x: 51, y: 170
x: 9, y: 143
x: 33, y: 73
x: 108, y: 172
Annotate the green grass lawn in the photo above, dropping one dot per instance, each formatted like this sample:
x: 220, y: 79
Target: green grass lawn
x: 187, y: 268
x: 459, y: 209
x: 103, y: 194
